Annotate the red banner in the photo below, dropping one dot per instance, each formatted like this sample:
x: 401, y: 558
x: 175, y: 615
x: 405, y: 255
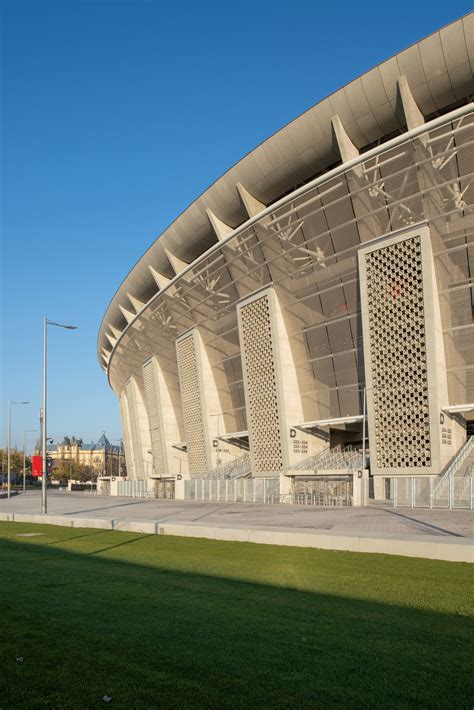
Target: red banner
x: 37, y: 466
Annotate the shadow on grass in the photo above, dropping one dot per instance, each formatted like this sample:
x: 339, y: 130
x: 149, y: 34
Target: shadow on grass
x: 150, y: 636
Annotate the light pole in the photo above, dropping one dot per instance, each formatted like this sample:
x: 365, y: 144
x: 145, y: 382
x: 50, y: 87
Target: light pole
x: 217, y: 462
x: 9, y: 442
x: 25, y: 432
x: 44, y: 505
x: 364, y: 417
x: 119, y: 458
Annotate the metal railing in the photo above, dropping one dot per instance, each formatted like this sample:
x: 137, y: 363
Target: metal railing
x: 455, y: 466
x: 349, y: 457
x: 313, y: 499
x: 132, y: 489
x: 453, y: 488
x: 242, y: 466
x: 237, y: 490
x: 422, y: 492
x: 310, y: 463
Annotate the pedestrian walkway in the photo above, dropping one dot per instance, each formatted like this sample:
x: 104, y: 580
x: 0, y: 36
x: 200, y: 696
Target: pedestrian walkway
x: 440, y: 534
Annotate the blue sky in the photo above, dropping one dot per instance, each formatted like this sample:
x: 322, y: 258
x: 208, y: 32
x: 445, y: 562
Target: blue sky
x: 116, y: 115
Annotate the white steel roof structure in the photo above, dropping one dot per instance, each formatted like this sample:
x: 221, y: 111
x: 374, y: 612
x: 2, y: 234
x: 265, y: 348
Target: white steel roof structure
x: 438, y: 73
x: 328, y: 274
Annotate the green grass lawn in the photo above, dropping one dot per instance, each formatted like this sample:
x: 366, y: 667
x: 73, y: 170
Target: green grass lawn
x: 168, y: 622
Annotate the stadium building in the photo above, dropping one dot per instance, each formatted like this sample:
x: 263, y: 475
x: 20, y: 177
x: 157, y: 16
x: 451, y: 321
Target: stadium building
x: 315, y: 305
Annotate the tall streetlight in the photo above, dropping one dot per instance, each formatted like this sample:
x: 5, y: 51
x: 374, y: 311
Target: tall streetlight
x: 364, y: 391
x: 364, y: 418
x: 120, y: 458
x: 9, y: 441
x: 44, y: 505
x: 120, y: 446
x: 25, y: 432
x: 217, y: 442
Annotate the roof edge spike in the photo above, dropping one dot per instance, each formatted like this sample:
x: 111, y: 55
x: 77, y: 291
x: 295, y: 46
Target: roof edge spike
x: 160, y: 280
x: 178, y: 264
x: 251, y: 204
x: 115, y: 331
x: 346, y: 147
x: 106, y: 353
x: 112, y: 341
x: 136, y: 303
x: 128, y: 315
x: 221, y: 229
x: 413, y: 115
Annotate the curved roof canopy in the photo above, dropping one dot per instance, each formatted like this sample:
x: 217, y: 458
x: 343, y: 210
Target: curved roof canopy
x: 419, y: 83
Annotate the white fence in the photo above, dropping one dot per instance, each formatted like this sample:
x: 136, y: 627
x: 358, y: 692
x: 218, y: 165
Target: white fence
x: 425, y: 492
x: 237, y: 490
x: 314, y: 499
x: 320, y: 491
x: 132, y: 489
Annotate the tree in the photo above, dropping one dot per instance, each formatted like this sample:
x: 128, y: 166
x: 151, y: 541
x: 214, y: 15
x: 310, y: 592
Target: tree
x: 16, y: 463
x: 65, y: 470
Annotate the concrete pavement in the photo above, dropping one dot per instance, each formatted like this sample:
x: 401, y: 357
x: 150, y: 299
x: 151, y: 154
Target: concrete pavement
x: 439, y: 534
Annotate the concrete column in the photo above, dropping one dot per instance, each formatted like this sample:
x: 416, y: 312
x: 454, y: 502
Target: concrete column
x: 140, y: 431
x: 360, y: 489
x: 413, y: 115
x: 163, y: 420
x: 127, y: 436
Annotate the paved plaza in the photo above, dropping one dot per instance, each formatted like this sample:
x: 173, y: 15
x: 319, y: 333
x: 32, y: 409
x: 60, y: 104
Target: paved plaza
x: 400, y: 524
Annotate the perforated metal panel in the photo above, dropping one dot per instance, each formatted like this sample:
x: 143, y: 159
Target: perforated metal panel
x: 136, y: 446
x: 396, y: 318
x: 192, y: 404
x: 153, y: 405
x: 261, y: 385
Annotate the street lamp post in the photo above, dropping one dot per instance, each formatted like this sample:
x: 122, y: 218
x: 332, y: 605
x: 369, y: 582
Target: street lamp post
x: 119, y: 458
x: 217, y: 441
x: 44, y: 504
x: 364, y: 415
x: 10, y: 443
x: 25, y: 432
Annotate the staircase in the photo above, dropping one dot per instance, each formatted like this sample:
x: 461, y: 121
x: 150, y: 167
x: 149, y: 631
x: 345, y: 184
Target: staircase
x: 461, y: 466
x: 349, y: 457
x: 239, y: 468
x: 311, y: 461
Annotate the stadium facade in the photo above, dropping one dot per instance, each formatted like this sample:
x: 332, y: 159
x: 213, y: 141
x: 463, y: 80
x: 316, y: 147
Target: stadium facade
x: 327, y: 275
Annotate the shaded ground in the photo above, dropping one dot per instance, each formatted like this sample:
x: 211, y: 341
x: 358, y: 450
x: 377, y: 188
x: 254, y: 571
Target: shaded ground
x: 156, y: 621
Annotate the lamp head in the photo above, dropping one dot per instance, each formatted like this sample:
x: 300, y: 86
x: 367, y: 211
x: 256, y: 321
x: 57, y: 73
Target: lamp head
x: 60, y: 325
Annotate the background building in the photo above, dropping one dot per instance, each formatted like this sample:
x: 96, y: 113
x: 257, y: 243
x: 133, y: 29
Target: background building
x: 100, y: 457
x: 332, y: 262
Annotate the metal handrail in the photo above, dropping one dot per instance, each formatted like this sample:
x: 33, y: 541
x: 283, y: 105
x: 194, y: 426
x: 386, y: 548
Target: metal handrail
x: 455, y: 464
x: 309, y: 462
x: 234, y: 469
x: 349, y: 457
